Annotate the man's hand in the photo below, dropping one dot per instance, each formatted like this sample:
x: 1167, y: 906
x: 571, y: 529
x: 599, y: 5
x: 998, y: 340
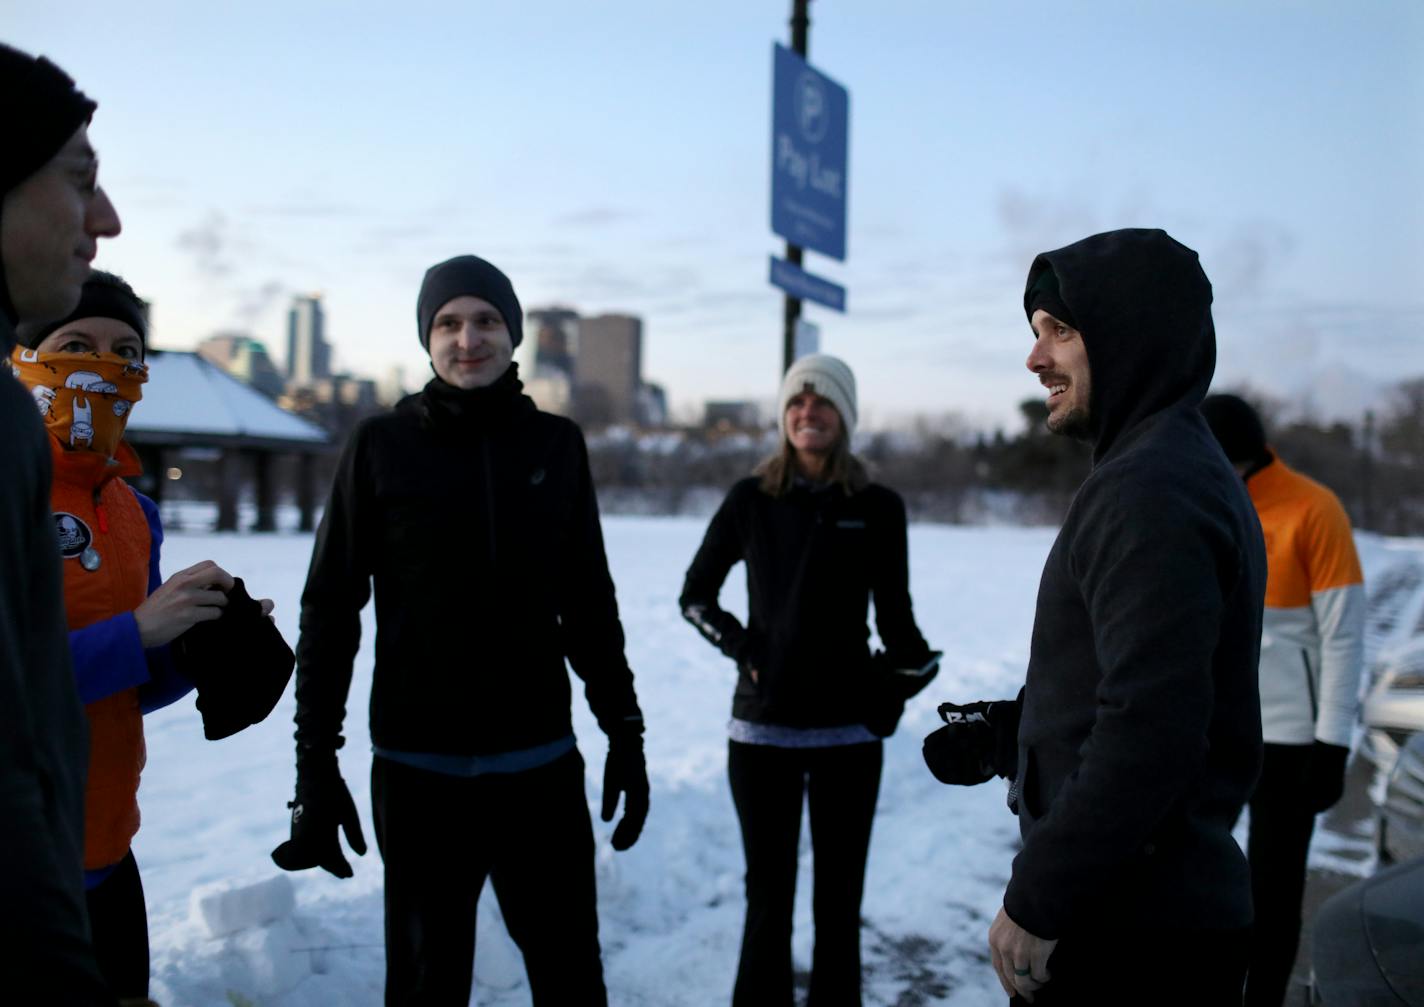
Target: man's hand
x: 322, y: 806
x: 626, y: 772
x: 1020, y: 959
x: 189, y: 597
x: 1326, y: 782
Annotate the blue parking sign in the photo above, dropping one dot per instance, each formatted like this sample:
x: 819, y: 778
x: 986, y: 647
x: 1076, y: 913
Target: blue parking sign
x: 810, y: 128
x: 806, y: 286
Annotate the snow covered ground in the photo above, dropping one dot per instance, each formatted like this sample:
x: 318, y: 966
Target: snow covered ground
x: 671, y: 907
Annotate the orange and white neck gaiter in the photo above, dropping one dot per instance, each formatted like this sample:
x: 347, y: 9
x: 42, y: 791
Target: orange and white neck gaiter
x: 84, y: 398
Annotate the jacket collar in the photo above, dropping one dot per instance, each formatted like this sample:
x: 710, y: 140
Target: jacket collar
x: 89, y: 469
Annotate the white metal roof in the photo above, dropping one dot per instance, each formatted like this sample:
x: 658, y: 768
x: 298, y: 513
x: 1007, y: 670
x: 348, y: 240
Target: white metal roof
x: 187, y: 394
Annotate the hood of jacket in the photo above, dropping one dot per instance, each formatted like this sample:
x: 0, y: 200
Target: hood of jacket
x: 1143, y: 305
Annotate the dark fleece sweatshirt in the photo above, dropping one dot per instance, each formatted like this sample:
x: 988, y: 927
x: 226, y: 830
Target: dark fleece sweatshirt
x: 474, y: 516
x: 815, y: 558
x: 1140, y: 737
x: 44, y: 739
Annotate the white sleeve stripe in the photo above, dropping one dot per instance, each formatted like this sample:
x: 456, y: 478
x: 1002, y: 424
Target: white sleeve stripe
x: 1340, y: 615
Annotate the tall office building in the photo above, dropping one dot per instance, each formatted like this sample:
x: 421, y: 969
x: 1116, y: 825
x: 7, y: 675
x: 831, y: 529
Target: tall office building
x: 308, y: 355
x: 608, y: 368
x: 245, y: 359
x: 554, y: 332
x: 546, y: 357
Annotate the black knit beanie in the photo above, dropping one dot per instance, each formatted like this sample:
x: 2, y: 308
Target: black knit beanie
x: 467, y: 275
x: 40, y: 108
x: 104, y: 295
x: 1237, y: 428
x: 1045, y: 294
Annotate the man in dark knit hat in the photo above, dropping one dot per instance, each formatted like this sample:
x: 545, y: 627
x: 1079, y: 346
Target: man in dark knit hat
x: 1312, y: 659
x: 52, y: 214
x: 474, y: 515
x: 1138, y: 729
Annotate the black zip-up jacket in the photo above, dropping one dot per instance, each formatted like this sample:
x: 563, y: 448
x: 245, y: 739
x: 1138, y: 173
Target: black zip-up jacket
x: 44, y: 738
x: 1140, y: 737
x: 814, y: 558
x: 474, y: 515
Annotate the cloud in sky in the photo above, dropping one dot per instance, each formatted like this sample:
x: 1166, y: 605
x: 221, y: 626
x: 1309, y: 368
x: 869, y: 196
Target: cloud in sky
x: 1249, y: 257
x: 595, y: 217
x: 303, y: 208
x: 254, y: 302
x: 207, y: 245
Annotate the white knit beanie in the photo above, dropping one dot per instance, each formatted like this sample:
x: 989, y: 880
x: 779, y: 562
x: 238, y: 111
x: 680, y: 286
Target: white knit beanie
x: 826, y: 376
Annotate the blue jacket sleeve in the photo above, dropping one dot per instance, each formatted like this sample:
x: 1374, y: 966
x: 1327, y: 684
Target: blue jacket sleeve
x: 108, y: 658
x: 164, y: 685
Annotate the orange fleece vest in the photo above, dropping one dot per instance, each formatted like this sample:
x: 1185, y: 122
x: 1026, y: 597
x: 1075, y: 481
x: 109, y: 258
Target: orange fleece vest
x: 95, y: 509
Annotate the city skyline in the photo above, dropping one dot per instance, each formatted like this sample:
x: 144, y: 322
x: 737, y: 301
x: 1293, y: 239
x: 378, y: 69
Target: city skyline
x: 588, y: 367
x: 618, y: 159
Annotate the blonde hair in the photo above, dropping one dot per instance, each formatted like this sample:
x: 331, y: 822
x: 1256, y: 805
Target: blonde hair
x: 843, y: 469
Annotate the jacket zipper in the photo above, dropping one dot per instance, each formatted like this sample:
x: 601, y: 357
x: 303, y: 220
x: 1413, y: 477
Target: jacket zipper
x: 1310, y: 687
x: 101, y: 514
x: 489, y: 497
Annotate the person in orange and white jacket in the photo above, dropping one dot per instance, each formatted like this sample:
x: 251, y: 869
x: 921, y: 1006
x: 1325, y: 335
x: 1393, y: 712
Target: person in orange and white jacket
x: 1312, y: 657
x: 85, y: 373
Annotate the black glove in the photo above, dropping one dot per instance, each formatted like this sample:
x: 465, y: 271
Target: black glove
x: 626, y: 772
x: 977, y: 742
x: 894, y: 679
x: 239, y: 663
x: 906, y: 676
x: 1326, y: 781
x: 321, y: 806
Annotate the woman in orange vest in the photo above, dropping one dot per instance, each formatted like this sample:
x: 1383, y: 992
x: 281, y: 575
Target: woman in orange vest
x: 86, y: 372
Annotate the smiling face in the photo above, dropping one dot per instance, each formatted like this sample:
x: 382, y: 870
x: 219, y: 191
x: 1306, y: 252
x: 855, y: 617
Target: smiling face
x: 50, y: 226
x: 1060, y: 359
x: 470, y: 346
x: 813, y: 426
x: 94, y: 335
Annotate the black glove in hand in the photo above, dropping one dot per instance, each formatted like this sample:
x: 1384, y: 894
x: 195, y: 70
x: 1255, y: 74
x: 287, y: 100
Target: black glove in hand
x: 626, y: 772
x: 322, y: 805
x: 893, y: 679
x: 1326, y: 782
x: 239, y: 663
x: 977, y: 742
x: 905, y: 676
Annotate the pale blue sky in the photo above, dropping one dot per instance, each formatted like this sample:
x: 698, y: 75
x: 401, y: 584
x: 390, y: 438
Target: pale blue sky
x: 615, y: 156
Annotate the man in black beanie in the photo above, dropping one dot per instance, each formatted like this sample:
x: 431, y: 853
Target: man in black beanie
x: 1139, y: 727
x: 474, y: 514
x: 53, y: 211
x: 1312, y: 659
x: 51, y: 215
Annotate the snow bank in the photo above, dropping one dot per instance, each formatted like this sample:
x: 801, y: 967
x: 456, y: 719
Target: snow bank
x: 670, y: 908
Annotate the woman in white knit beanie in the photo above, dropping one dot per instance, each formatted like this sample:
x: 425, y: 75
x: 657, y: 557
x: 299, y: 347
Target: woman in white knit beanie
x: 815, y: 444
x: 819, y: 540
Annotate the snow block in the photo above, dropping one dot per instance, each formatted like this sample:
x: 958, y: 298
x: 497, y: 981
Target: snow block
x: 225, y: 907
x: 265, y: 962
